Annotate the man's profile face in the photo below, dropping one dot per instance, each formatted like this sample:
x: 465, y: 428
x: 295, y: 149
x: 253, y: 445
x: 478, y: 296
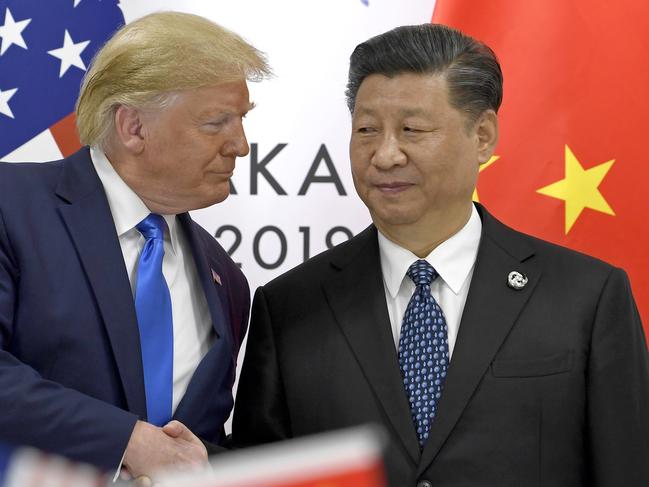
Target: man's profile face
x: 412, y: 154
x: 191, y: 145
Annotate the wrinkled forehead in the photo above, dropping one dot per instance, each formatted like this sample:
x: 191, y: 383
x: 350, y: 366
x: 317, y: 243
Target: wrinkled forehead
x: 405, y: 93
x: 222, y: 97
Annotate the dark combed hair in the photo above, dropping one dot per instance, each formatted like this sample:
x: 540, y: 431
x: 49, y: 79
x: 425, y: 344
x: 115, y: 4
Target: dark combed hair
x: 470, y: 67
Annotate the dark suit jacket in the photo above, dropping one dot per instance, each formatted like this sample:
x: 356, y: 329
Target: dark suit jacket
x: 70, y: 365
x: 547, y: 385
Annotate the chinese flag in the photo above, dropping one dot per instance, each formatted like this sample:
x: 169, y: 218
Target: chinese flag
x: 572, y: 164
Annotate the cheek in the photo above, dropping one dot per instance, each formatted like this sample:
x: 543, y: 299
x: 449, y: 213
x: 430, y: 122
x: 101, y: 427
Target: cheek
x: 194, y: 155
x: 462, y: 180
x: 472, y: 174
x: 359, y: 178
x: 361, y: 150
x: 358, y: 162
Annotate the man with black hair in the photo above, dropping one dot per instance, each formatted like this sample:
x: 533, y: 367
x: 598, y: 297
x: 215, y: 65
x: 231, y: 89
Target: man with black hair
x: 491, y: 358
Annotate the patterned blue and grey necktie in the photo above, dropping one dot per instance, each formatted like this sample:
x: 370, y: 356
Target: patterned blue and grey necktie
x: 423, y: 350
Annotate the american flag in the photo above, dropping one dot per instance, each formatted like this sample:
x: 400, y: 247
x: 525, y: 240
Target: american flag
x: 45, y: 49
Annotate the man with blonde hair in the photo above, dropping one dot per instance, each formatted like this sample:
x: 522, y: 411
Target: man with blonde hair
x: 121, y: 318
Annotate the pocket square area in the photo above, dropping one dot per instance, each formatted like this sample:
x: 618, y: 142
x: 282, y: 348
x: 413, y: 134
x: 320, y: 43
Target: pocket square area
x: 533, y: 367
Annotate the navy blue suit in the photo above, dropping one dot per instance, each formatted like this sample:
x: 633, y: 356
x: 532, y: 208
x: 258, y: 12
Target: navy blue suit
x: 70, y: 366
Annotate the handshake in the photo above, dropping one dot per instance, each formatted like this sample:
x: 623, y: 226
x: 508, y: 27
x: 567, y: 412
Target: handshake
x: 152, y: 450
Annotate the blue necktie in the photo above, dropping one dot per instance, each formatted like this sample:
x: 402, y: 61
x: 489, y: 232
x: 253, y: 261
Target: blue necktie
x: 153, y: 308
x: 423, y: 350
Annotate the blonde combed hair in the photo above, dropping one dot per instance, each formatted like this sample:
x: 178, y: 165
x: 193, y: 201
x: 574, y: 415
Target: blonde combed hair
x: 148, y: 60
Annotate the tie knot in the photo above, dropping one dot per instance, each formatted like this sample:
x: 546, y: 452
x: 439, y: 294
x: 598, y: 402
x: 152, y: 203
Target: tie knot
x: 421, y: 273
x: 153, y: 226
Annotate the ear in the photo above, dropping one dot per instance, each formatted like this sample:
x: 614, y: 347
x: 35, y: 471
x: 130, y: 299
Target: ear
x: 128, y: 129
x: 486, y: 131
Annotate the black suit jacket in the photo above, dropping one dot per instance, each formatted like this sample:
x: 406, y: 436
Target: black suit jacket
x: 547, y: 385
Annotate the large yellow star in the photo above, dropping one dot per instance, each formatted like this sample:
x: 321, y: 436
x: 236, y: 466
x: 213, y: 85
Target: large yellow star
x: 484, y: 166
x: 579, y: 189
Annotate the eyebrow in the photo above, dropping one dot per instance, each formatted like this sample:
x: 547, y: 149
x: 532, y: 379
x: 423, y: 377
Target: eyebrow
x: 412, y: 112
x: 364, y: 111
x: 210, y: 112
x: 404, y: 112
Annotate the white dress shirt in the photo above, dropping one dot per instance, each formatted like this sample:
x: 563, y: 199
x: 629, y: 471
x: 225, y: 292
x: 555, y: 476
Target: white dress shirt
x: 453, y: 260
x: 192, y: 324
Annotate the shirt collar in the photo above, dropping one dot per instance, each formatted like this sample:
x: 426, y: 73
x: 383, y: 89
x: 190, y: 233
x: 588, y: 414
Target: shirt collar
x: 125, y: 205
x: 453, y: 259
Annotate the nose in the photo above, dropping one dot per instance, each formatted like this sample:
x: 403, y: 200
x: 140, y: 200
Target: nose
x: 388, y: 153
x: 237, y: 143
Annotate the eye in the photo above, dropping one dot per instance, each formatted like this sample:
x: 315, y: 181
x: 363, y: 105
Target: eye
x: 366, y: 130
x: 411, y: 129
x: 217, y: 123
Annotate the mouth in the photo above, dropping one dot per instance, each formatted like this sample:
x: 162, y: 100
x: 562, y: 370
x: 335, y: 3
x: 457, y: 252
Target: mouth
x: 393, y: 187
x: 223, y: 174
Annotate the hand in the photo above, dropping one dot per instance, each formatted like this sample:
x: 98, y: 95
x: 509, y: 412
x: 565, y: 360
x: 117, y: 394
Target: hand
x: 173, y: 447
x: 176, y: 429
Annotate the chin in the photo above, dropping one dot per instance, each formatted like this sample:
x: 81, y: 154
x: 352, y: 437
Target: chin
x: 217, y: 192
x: 209, y: 200
x: 396, y: 213
x: 218, y: 198
x: 394, y: 217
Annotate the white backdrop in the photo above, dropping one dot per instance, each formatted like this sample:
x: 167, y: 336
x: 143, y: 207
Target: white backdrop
x: 294, y: 190
x: 308, y: 44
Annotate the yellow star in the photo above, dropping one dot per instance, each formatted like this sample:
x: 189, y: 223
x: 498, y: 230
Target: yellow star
x: 484, y: 166
x: 579, y: 189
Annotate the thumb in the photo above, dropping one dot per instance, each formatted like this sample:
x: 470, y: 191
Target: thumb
x: 174, y: 428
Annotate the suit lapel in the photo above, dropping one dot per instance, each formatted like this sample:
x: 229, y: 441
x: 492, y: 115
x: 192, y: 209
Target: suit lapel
x: 490, y: 311
x: 216, y: 362
x: 357, y: 298
x: 88, y: 219
x: 208, y: 271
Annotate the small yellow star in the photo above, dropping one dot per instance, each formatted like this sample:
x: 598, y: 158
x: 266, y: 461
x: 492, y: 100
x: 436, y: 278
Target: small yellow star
x: 484, y: 166
x: 579, y: 189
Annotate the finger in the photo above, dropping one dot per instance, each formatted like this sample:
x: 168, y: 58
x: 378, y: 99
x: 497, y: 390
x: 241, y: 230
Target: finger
x: 174, y: 429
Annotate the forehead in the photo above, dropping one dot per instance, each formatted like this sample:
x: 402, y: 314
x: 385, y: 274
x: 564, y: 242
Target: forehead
x: 407, y: 92
x: 223, y: 97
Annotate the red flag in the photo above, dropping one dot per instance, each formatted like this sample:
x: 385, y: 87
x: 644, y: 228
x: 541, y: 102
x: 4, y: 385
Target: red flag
x: 347, y: 458
x: 572, y: 162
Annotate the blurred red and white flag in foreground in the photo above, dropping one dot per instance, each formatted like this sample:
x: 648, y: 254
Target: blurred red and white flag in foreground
x: 349, y: 458
x: 26, y: 467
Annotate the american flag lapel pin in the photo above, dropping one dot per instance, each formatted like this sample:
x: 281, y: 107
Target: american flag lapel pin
x: 216, y: 278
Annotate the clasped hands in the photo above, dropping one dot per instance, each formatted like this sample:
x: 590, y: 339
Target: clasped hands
x: 151, y: 450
